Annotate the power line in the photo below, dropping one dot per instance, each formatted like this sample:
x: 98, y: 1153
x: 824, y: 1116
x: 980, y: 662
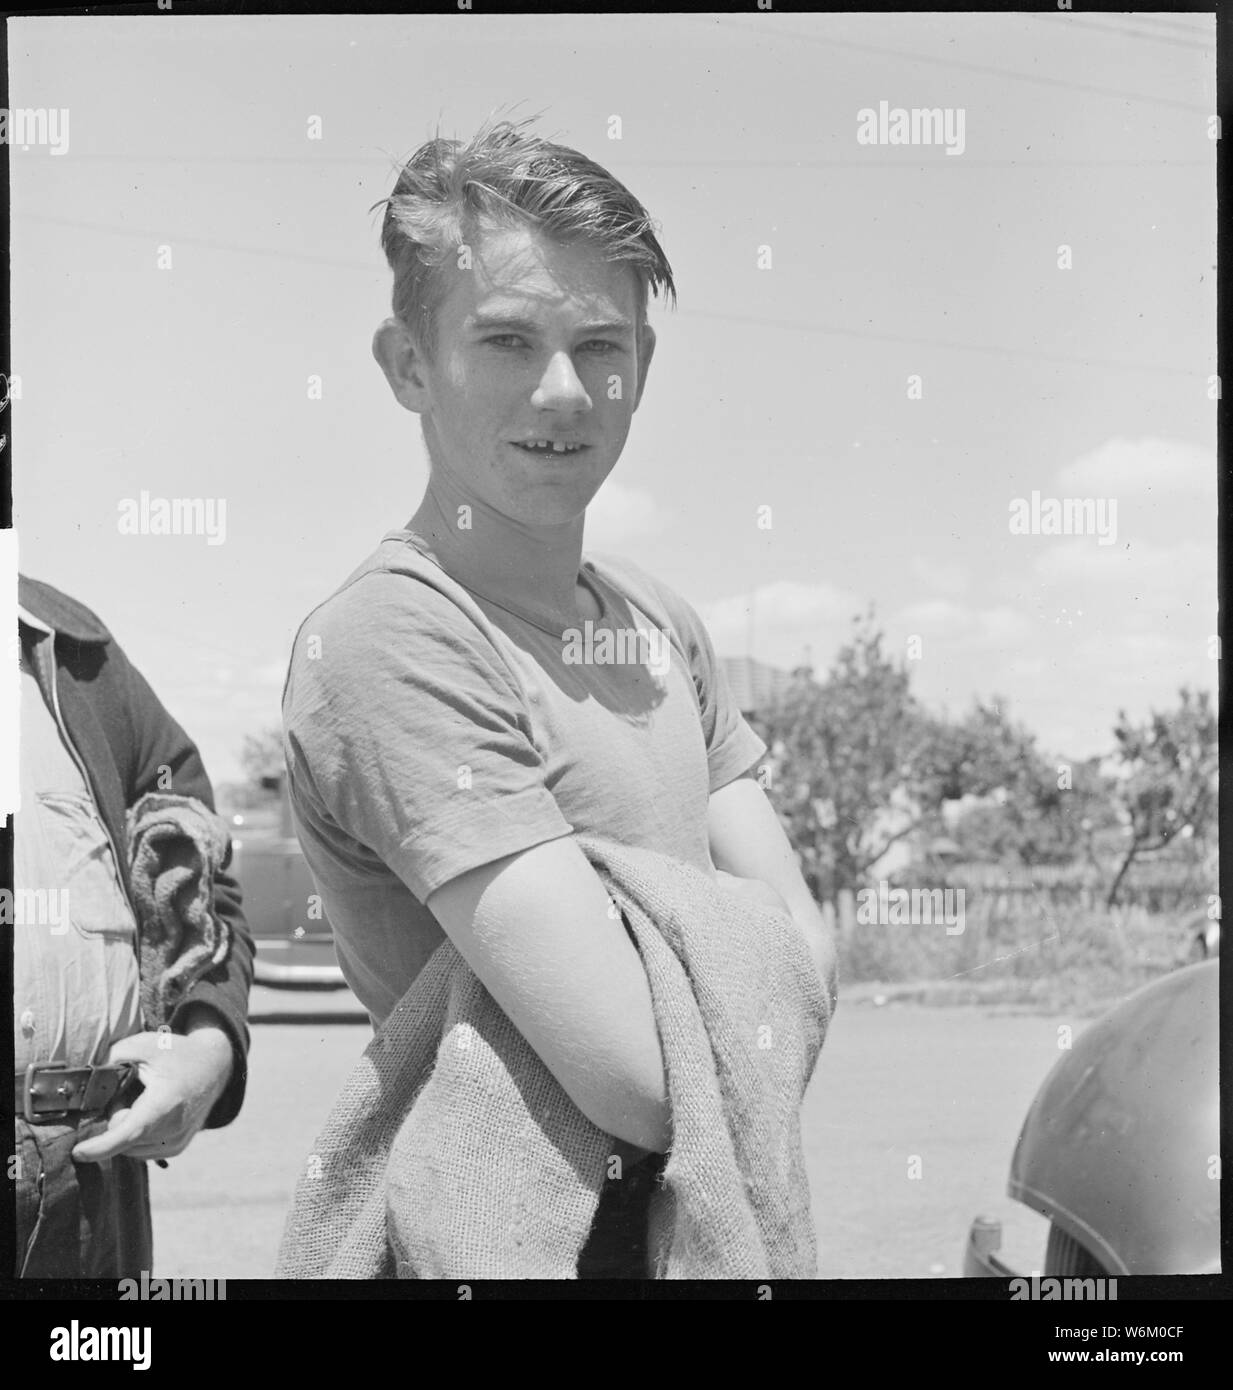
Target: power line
x: 1013, y: 75
x: 789, y: 325
x: 923, y: 162
x: 175, y: 239
x: 1171, y: 25
x: 869, y: 161
x: 1124, y: 32
x: 835, y: 330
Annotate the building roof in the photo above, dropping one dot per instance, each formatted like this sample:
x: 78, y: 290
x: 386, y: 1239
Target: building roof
x: 753, y: 683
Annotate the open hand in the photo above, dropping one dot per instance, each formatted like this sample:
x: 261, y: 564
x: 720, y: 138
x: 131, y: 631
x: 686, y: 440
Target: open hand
x: 183, y: 1074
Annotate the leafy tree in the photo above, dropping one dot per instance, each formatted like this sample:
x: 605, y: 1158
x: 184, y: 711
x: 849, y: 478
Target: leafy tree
x: 1169, y: 777
x: 982, y: 753
x: 1047, y: 812
x: 858, y: 745
x: 838, y: 751
x: 262, y: 756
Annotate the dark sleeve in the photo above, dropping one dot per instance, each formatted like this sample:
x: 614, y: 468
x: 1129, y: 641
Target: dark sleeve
x: 158, y: 745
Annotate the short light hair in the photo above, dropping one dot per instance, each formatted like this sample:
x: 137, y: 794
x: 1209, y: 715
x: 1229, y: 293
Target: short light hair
x: 447, y: 193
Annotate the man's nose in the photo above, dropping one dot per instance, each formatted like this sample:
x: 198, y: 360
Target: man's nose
x: 560, y: 388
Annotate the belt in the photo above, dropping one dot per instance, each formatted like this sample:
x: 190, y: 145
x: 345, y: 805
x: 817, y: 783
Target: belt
x: 50, y: 1092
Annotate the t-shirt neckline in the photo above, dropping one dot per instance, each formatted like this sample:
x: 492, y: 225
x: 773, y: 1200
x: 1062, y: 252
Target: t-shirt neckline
x: 587, y: 575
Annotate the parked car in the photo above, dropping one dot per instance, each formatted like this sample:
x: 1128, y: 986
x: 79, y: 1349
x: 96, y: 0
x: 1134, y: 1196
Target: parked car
x: 293, y: 936
x: 1120, y: 1149
x: 1203, y: 935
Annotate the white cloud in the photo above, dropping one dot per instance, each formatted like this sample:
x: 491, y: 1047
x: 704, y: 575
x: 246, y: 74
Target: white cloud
x: 935, y: 613
x: 1167, y: 659
x: 272, y: 673
x: 1141, y: 467
x: 959, y: 623
x: 1028, y: 668
x: 787, y: 617
x: 1001, y: 625
x: 944, y: 577
x: 620, y: 514
x: 1186, y: 569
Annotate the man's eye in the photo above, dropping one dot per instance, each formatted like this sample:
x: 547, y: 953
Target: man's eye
x: 506, y: 340
x: 601, y: 346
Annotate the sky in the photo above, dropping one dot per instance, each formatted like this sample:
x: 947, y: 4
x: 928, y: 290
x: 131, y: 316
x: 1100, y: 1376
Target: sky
x: 876, y: 350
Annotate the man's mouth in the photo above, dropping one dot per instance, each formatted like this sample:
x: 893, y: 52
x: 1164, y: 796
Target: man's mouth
x: 548, y: 446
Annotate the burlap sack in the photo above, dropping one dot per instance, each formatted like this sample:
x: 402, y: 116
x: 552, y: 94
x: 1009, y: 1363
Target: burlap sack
x: 453, y: 1153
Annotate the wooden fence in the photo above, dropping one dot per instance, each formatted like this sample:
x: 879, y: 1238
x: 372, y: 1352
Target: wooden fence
x: 996, y: 893
x: 1155, y: 887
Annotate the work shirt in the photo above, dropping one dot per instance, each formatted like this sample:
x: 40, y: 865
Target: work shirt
x: 430, y: 731
x: 76, y: 985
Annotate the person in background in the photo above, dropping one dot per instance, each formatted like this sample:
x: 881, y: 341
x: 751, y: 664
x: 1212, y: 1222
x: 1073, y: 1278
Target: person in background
x: 97, y: 1093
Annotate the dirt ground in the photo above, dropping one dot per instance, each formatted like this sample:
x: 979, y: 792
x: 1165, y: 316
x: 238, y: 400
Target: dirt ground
x: 901, y: 1089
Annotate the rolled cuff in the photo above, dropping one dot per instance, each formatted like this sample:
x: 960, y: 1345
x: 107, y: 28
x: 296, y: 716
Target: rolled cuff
x: 227, y: 1106
x: 737, y: 754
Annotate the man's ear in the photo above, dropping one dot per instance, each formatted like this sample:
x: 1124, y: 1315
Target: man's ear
x: 403, y: 364
x: 646, y: 350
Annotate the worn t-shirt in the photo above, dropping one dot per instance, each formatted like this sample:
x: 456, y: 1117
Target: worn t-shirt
x: 429, y: 731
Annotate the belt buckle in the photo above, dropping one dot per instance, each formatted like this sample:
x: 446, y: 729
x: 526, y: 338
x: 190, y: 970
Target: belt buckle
x: 46, y: 1117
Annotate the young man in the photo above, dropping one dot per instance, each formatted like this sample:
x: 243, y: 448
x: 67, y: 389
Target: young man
x: 476, y: 690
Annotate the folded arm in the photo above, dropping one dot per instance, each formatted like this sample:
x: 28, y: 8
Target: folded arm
x: 747, y: 841
x: 162, y: 757
x: 194, y: 1077
x: 537, y: 930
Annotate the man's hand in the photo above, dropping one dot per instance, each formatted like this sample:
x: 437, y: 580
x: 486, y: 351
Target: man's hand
x: 825, y: 953
x: 819, y: 937
x: 755, y: 889
x: 745, y: 834
x: 183, y: 1074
